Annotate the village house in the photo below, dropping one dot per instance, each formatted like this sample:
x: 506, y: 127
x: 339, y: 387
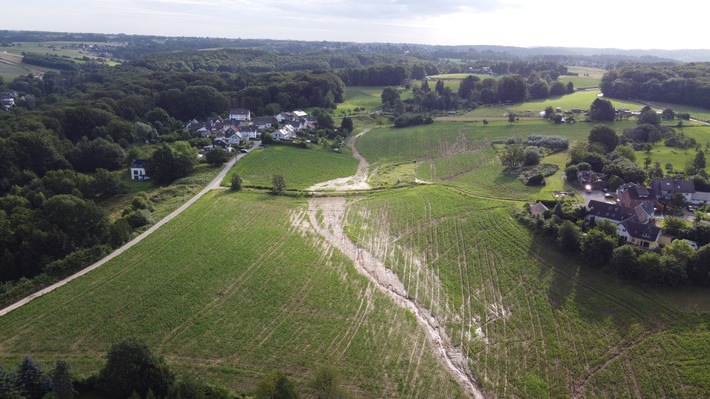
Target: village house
x: 265, y: 122
x: 640, y: 234
x: 285, y: 133
x: 632, y: 195
x: 138, y: 169
x: 249, y: 132
x: 538, y: 209
x: 634, y: 224
x: 667, y: 188
x: 239, y: 114
x: 236, y: 139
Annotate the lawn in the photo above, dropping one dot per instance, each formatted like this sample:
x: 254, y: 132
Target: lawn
x: 235, y: 287
x: 300, y: 167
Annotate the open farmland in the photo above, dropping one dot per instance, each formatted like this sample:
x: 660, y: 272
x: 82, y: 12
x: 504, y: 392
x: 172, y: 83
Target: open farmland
x: 366, y: 98
x: 237, y: 286
x: 532, y: 322
x: 300, y: 167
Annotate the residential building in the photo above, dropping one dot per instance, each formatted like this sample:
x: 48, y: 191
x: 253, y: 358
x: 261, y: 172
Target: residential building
x: 667, y: 188
x: 640, y: 234
x: 632, y: 195
x: 240, y: 114
x: 138, y: 169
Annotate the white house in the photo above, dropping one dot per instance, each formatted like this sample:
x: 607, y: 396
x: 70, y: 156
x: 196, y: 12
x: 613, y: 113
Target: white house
x: 236, y: 139
x: 138, y: 169
x: 249, y: 132
x: 285, y: 133
x: 239, y: 114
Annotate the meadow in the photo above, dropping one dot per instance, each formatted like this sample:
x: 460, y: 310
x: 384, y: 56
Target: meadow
x: 300, y: 167
x: 365, y: 99
x: 237, y: 286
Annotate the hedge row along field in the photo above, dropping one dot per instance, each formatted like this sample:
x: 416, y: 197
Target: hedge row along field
x: 533, y: 323
x: 237, y: 286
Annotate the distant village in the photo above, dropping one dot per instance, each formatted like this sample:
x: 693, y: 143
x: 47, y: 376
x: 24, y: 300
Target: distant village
x: 237, y: 130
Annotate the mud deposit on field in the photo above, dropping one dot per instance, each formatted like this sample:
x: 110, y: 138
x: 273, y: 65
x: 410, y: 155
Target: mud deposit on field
x: 356, y: 182
x: 332, y: 213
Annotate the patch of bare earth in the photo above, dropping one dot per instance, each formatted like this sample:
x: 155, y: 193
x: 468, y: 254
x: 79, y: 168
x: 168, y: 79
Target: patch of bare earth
x: 332, y: 213
x: 356, y: 182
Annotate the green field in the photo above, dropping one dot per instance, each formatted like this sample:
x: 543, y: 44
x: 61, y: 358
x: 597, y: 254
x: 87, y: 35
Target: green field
x: 300, y: 167
x: 241, y: 284
x: 10, y: 72
x: 235, y: 287
x: 534, y: 323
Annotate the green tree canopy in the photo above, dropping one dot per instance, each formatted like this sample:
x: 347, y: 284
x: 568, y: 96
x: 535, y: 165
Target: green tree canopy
x: 132, y: 367
x: 602, y: 110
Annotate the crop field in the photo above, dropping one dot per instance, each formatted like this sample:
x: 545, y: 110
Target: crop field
x: 532, y: 322
x: 237, y: 286
x: 10, y: 72
x: 300, y: 167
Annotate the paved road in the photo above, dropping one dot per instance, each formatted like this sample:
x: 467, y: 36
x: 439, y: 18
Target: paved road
x: 214, y: 184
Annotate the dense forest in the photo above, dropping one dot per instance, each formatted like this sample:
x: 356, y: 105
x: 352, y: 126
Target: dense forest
x: 687, y: 84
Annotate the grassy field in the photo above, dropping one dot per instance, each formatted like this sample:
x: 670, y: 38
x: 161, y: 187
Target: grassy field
x: 10, y: 72
x: 235, y: 287
x: 241, y: 284
x: 534, y: 323
x: 300, y: 167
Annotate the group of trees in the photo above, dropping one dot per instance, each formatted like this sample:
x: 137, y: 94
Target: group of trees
x: 687, y: 84
x: 599, y: 244
x: 133, y: 371
x: 474, y: 91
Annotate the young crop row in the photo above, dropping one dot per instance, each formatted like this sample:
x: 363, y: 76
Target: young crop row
x: 235, y: 287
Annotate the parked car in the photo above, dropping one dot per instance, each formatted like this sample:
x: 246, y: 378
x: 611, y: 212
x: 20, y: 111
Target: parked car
x: 608, y: 195
x: 243, y: 151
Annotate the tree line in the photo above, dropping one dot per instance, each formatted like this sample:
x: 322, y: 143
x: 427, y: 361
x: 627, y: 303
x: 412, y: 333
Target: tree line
x: 687, y: 84
x: 133, y: 371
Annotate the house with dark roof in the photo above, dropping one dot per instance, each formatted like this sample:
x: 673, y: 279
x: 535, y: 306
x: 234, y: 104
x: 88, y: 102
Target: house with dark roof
x: 666, y: 188
x: 604, y: 211
x: 538, y: 209
x: 265, y: 122
x: 633, y: 195
x: 640, y: 234
x: 138, y: 169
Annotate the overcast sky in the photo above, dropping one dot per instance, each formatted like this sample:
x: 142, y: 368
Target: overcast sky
x: 625, y: 24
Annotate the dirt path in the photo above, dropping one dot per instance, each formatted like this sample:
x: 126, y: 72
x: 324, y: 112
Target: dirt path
x: 332, y: 212
x: 214, y: 184
x: 356, y: 182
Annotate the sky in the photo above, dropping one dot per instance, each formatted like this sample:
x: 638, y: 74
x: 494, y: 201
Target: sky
x: 623, y: 24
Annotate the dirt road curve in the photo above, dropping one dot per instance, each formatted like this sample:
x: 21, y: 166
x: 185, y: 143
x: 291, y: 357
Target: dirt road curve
x: 357, y: 182
x: 213, y: 185
x: 333, y: 210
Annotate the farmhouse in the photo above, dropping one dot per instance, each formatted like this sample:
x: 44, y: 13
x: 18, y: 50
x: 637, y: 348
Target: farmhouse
x: 138, y: 170
x: 285, y: 133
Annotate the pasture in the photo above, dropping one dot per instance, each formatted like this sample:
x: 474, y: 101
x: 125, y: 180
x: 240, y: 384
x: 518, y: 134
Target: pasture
x: 237, y: 286
x: 366, y: 98
x: 300, y: 167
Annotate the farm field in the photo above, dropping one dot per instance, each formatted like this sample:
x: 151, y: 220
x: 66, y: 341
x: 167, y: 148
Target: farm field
x: 300, y: 167
x: 237, y: 286
x: 533, y: 323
